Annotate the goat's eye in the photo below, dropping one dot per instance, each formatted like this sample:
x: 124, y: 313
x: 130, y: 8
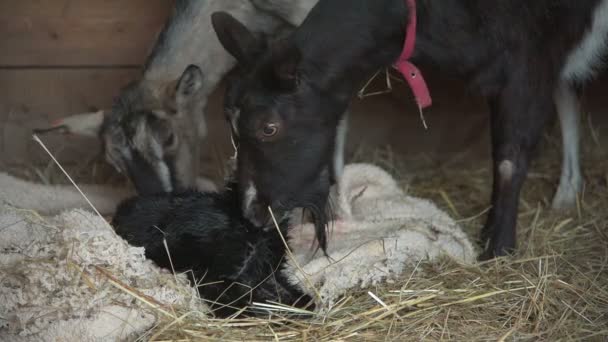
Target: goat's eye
x: 270, y: 130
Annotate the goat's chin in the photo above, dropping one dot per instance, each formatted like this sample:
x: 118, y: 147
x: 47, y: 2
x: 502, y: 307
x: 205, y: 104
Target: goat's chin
x: 315, y: 212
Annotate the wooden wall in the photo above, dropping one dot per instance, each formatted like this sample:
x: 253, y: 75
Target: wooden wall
x: 67, y: 56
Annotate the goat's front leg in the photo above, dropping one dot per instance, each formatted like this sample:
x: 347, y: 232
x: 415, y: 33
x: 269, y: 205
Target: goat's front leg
x: 518, y: 115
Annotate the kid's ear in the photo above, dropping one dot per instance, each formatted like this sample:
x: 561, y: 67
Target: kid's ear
x: 84, y: 124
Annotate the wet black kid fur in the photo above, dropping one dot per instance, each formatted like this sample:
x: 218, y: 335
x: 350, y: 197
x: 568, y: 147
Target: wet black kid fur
x: 233, y: 263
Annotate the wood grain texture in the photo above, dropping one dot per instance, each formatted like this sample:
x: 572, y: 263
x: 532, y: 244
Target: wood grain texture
x: 83, y: 32
x: 33, y: 98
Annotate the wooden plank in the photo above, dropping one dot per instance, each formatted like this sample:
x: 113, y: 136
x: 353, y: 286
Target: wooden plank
x: 33, y: 98
x: 83, y: 9
x: 50, y: 33
x: 32, y: 8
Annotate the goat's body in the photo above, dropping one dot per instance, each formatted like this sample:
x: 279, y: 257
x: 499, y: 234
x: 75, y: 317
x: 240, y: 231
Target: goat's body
x: 524, y: 56
x: 188, y: 38
x: 232, y: 264
x: 577, y: 62
x: 477, y: 39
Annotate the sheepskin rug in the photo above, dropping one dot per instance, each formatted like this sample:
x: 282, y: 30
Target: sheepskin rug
x: 378, y: 231
x: 69, y: 277
x: 53, y: 199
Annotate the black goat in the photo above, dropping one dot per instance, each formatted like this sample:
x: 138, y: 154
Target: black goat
x: 525, y: 56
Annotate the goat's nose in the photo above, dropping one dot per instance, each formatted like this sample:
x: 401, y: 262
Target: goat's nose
x: 257, y: 214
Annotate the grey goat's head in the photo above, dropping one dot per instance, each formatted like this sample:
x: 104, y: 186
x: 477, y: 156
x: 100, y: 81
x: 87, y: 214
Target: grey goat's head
x: 152, y: 133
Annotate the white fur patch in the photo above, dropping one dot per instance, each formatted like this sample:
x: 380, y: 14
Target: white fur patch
x: 506, y: 169
x: 165, y: 176
x: 234, y: 119
x: 340, y: 145
x: 586, y: 57
x: 161, y: 168
x: 85, y: 124
x: 250, y: 195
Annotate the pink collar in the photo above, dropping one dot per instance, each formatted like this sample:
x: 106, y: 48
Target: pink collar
x: 410, y: 72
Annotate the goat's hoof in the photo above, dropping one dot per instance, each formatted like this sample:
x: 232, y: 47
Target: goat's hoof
x: 563, y: 202
x: 566, y: 195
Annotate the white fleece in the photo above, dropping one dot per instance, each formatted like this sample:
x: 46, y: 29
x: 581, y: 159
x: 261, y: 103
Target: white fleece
x: 51, y: 289
x: 379, y: 231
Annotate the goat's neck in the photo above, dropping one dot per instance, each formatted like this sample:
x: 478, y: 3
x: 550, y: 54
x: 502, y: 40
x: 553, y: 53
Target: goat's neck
x: 340, y: 52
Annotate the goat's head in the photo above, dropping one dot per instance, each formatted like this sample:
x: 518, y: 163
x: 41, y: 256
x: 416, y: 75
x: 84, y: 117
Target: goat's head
x: 284, y: 127
x: 152, y: 132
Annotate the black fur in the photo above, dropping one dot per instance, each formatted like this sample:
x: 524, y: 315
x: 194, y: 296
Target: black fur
x: 233, y: 263
x: 512, y: 51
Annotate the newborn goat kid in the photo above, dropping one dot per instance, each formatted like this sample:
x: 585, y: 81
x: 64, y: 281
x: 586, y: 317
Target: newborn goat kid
x: 232, y: 262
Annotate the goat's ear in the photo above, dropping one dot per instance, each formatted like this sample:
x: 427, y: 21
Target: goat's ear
x: 235, y: 37
x: 84, y: 124
x: 285, y: 64
x: 188, y: 85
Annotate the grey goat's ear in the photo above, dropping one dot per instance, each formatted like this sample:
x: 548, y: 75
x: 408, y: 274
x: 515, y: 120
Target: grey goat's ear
x: 188, y: 85
x: 84, y: 124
